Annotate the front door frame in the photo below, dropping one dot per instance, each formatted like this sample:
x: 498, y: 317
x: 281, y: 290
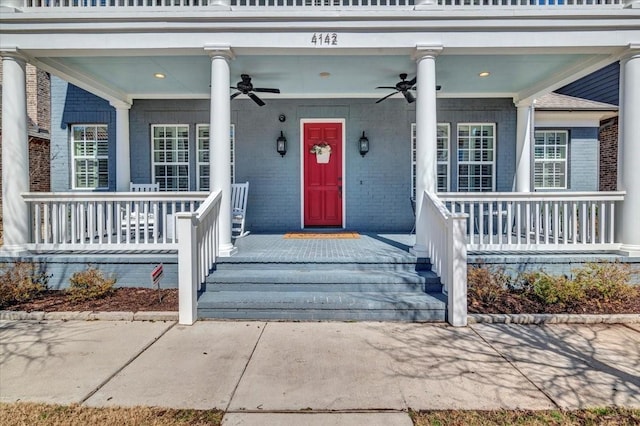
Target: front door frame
x: 342, y: 121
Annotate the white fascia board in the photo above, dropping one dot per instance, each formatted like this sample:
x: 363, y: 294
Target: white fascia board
x: 565, y: 119
x: 340, y: 95
x: 298, y: 42
x: 83, y: 81
x: 566, y: 76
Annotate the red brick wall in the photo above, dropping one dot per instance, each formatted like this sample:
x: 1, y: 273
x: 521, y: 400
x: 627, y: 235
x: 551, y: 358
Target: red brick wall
x: 609, y: 155
x: 39, y: 168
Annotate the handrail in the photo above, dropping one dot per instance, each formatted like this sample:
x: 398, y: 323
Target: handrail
x: 106, y: 220
x: 319, y: 4
x: 446, y: 247
x: 532, y: 221
x: 197, y: 252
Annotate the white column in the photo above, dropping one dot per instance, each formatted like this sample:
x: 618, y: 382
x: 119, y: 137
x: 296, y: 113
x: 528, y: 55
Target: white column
x: 220, y: 142
x: 524, y: 132
x: 627, y: 225
x: 426, y: 137
x: 15, y: 152
x: 123, y: 159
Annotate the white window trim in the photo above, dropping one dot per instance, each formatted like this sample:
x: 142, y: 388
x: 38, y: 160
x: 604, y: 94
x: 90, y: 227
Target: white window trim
x: 492, y: 162
x: 153, y: 162
x: 96, y: 157
x: 232, y: 139
x: 555, y: 160
x: 446, y: 163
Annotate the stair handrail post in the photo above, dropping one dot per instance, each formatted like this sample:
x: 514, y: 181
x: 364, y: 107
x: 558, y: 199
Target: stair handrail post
x: 187, y: 267
x: 457, y: 266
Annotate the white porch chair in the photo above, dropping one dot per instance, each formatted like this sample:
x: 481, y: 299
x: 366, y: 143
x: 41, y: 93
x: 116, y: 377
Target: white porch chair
x: 239, y: 195
x: 140, y: 218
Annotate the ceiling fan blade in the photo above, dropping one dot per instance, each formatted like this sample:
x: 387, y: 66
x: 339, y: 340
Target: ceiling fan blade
x: 382, y: 99
x: 413, y: 80
x: 235, y: 94
x: 386, y: 87
x: 256, y: 99
x: 408, y: 96
x: 256, y: 89
x: 230, y: 87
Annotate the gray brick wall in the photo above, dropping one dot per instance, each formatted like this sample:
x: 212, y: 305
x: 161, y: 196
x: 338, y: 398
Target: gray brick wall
x: 377, y: 186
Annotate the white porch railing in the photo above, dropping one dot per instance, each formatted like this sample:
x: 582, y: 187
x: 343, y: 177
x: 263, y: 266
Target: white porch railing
x: 446, y: 247
x: 321, y: 4
x: 197, y: 252
x: 107, y: 220
x: 511, y: 221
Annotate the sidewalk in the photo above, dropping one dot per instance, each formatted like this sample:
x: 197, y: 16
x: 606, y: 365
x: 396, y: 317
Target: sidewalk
x: 328, y: 373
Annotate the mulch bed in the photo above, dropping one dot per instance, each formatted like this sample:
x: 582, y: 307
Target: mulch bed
x: 122, y: 299
x: 146, y: 299
x: 513, y: 303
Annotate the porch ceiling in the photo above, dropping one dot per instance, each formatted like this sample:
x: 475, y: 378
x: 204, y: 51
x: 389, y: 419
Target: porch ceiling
x: 298, y: 76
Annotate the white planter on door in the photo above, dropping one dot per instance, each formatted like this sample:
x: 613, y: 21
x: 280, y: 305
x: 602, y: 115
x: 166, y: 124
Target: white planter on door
x: 323, y: 157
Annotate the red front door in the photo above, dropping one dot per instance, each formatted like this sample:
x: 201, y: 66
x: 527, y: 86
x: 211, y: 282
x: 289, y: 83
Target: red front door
x: 323, y: 180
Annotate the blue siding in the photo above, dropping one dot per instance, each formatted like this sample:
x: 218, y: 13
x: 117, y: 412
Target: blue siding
x: 583, y: 159
x: 72, y: 105
x: 601, y: 86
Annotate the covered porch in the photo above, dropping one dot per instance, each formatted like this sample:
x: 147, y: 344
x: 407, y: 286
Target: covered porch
x: 160, y: 94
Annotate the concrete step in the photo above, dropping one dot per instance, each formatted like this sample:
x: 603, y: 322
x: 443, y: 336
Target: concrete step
x: 307, y: 279
x: 357, y: 306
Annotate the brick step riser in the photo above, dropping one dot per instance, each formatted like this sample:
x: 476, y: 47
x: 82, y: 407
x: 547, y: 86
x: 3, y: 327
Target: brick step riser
x: 400, y: 315
x: 430, y: 287
x: 332, y: 266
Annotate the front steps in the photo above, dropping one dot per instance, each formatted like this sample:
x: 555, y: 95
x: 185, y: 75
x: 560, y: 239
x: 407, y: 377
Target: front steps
x: 381, y: 288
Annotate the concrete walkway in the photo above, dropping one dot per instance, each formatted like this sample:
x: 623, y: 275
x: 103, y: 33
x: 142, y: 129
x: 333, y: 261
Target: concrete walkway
x: 328, y: 373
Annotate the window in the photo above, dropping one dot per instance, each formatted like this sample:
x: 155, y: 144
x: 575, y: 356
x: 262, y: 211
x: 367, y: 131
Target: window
x: 203, y: 156
x: 476, y: 157
x: 170, y: 145
x: 550, y: 159
x: 90, y: 156
x: 442, y: 158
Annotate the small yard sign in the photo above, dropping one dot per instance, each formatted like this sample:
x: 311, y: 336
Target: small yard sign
x: 156, y: 275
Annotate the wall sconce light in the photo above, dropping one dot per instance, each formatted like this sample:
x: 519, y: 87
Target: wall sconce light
x: 281, y: 144
x: 363, y: 144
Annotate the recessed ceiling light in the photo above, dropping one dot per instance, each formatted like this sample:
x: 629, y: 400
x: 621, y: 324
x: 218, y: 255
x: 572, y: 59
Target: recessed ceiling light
x: 159, y: 75
x: 484, y: 74
x: 324, y: 74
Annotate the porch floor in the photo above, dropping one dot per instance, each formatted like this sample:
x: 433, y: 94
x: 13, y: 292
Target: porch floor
x: 369, y: 247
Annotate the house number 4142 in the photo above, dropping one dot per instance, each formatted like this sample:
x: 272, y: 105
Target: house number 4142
x: 324, y: 39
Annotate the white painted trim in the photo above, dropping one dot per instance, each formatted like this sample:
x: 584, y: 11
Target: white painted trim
x: 571, y: 118
x: 342, y: 121
x: 72, y: 156
x: 153, y: 162
x: 493, y: 162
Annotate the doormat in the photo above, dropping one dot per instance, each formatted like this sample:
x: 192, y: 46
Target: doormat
x: 321, y: 235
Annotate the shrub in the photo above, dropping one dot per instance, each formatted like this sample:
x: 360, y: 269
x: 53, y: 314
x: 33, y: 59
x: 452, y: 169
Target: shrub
x: 486, y: 285
x: 605, y: 281
x: 555, y: 289
x: 20, y: 282
x: 89, y: 284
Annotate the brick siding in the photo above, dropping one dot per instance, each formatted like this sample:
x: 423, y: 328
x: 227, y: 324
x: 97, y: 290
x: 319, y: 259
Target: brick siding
x: 609, y: 155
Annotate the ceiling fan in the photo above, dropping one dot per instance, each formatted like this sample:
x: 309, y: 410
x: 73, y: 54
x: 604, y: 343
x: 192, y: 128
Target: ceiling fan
x: 404, y: 87
x: 245, y: 87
